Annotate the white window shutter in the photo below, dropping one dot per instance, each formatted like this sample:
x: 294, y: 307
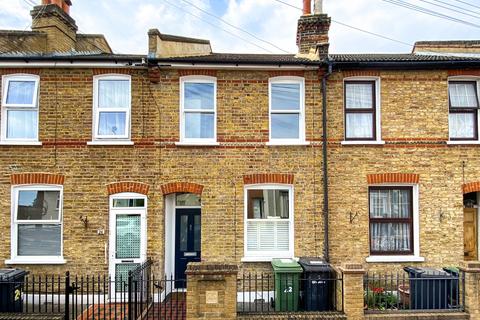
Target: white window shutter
x: 268, y: 235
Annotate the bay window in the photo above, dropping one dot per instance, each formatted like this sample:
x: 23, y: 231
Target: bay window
x: 287, y: 123
x: 37, y: 224
x: 463, y: 115
x: 20, y: 108
x: 269, y: 221
x: 112, y: 108
x: 198, y: 110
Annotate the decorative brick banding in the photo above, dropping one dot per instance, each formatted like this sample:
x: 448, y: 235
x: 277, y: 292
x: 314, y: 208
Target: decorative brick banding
x: 128, y: 186
x: 37, y: 178
x: 393, y: 177
x: 268, y: 178
x: 182, y: 187
x: 101, y: 71
x: 200, y: 72
x: 471, y: 187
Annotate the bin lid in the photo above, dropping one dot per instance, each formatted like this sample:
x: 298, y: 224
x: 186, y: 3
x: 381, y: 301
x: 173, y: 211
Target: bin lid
x: 11, y: 274
x: 286, y: 265
x: 424, y: 272
x: 310, y: 264
x: 451, y: 270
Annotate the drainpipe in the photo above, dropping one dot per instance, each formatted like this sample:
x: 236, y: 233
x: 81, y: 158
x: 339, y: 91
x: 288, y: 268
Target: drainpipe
x: 325, y: 160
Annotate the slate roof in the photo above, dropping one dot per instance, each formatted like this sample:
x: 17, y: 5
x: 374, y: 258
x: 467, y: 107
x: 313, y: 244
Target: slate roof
x: 407, y: 57
x: 239, y: 58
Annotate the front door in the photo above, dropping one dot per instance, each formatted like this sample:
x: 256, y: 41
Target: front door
x: 127, y: 237
x: 470, y: 234
x: 187, y: 241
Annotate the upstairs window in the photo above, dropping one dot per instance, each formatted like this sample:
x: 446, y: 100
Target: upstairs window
x: 269, y: 221
x: 287, y: 110
x: 463, y: 115
x: 360, y: 107
x: 20, y: 108
x: 112, y: 107
x: 198, y: 110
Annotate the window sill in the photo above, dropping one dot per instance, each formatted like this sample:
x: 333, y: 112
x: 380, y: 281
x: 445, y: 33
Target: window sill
x: 395, y: 259
x: 353, y: 143
x: 264, y: 259
x: 288, y: 143
x: 42, y: 260
x: 110, y: 143
x: 465, y: 142
x: 20, y: 143
x: 197, y: 144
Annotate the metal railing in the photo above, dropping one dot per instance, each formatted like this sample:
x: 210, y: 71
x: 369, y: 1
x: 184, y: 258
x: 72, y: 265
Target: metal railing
x: 268, y: 293
x: 140, y: 295
x: 399, y: 291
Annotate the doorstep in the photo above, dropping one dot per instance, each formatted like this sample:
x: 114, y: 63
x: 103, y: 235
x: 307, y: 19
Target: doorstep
x: 418, y: 315
x: 32, y: 316
x: 293, y: 316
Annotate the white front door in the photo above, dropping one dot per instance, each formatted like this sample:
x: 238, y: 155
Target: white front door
x: 128, y: 236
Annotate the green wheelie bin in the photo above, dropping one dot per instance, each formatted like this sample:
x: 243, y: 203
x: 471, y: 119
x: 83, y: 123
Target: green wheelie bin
x: 287, y: 284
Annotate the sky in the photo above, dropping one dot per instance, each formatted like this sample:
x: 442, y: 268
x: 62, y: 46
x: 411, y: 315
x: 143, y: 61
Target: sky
x: 125, y: 23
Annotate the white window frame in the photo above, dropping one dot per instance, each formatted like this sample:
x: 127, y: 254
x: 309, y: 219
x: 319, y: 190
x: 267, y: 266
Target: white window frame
x: 262, y: 256
x: 183, y: 111
x: 415, y: 257
x: 15, y: 258
x: 463, y: 78
x: 6, y: 79
x: 301, y: 126
x: 108, y: 139
x: 378, y: 114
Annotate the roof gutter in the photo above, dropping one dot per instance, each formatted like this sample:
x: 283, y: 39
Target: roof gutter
x: 326, y: 247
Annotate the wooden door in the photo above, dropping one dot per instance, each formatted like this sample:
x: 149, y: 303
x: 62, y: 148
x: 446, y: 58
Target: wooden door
x: 470, y: 237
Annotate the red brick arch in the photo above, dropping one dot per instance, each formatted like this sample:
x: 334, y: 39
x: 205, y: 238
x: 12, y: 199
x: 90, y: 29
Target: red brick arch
x: 257, y: 178
x: 393, y: 178
x: 471, y: 187
x: 182, y: 187
x: 128, y: 186
x: 37, y: 178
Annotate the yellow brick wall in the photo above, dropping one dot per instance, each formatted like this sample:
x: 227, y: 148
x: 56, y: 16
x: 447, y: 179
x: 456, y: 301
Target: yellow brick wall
x: 65, y: 122
x: 414, y: 117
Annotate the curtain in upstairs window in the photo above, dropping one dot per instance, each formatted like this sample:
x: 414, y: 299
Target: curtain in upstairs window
x: 22, y: 124
x: 21, y: 92
x: 113, y: 94
x: 463, y: 94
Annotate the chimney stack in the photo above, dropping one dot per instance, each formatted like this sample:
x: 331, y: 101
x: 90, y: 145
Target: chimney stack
x: 312, y: 31
x: 52, y: 17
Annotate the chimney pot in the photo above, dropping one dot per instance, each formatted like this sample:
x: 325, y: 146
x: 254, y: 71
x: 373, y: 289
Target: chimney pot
x: 307, y: 7
x: 63, y: 4
x: 318, y: 7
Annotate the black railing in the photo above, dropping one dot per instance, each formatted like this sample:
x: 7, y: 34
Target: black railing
x: 140, y: 295
x: 399, y: 291
x: 268, y: 293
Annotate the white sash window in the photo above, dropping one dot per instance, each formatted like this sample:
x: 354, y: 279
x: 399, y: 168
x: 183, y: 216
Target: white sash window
x: 269, y: 221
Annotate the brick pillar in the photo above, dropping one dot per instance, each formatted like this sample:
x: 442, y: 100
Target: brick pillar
x: 353, y: 302
x: 472, y: 288
x: 211, y: 291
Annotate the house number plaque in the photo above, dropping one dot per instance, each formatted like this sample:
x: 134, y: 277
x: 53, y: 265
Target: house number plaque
x: 211, y: 297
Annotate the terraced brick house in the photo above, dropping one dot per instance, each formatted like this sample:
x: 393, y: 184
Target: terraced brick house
x: 185, y: 155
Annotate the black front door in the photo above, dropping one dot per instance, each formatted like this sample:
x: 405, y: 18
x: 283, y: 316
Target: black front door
x: 187, y: 241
